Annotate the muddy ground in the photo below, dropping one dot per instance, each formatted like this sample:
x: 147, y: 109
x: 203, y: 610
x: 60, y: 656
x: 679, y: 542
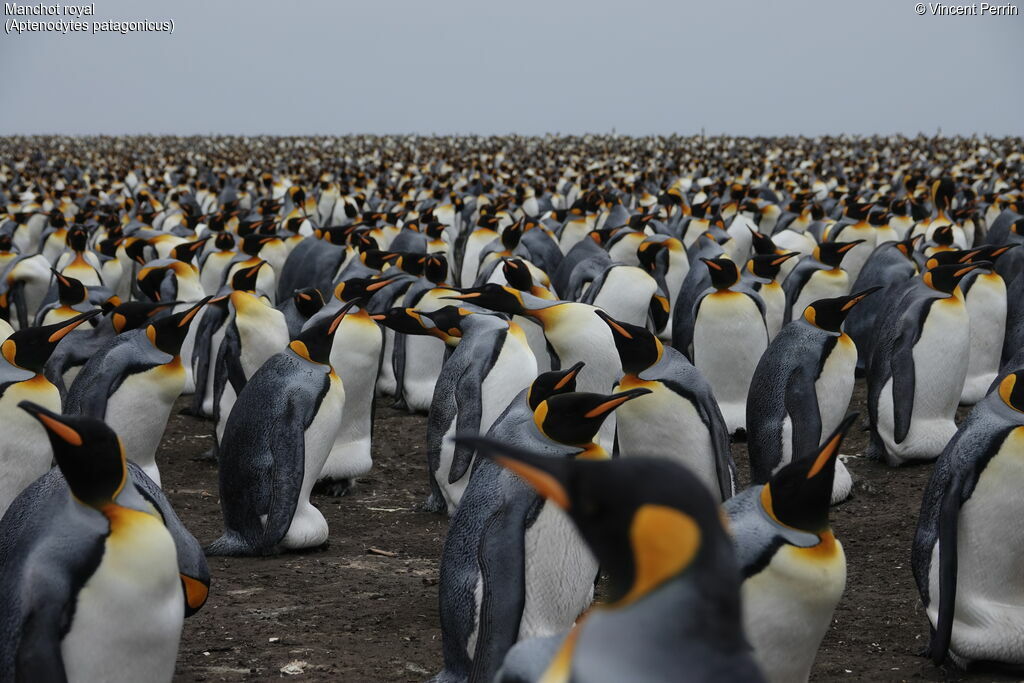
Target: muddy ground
x: 365, y: 608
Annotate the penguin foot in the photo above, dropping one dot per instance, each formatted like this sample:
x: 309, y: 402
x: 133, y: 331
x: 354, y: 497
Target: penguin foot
x: 400, y: 404
x: 434, y: 504
x: 209, y: 455
x: 334, y: 487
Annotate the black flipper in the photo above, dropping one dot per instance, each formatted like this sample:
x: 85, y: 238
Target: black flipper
x: 802, y: 405
x: 901, y: 366
x: 948, y: 518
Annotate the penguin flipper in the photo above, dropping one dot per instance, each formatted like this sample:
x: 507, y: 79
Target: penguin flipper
x: 39, y: 653
x: 288, y: 451
x: 948, y: 525
x: 901, y: 365
x: 802, y: 405
x: 470, y: 413
x: 398, y: 365
x: 711, y: 416
x: 17, y: 299
x: 502, y: 559
x: 191, y: 561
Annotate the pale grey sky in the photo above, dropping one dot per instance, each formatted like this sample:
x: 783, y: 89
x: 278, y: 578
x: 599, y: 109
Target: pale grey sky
x: 527, y: 66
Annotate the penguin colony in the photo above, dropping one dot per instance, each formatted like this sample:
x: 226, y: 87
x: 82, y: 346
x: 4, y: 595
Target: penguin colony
x: 588, y: 323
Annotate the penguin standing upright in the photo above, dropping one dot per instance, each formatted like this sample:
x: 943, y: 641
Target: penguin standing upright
x: 490, y: 364
x: 802, y: 389
x: 985, y: 299
x: 794, y: 569
x: 729, y: 336
x: 513, y: 567
x: 916, y: 372
x: 72, y: 300
x: 132, y: 384
x: 92, y: 586
x: 272, y: 451
x: 680, y: 402
x: 761, y: 275
x: 966, y: 558
x: 672, y: 600
x: 24, y: 453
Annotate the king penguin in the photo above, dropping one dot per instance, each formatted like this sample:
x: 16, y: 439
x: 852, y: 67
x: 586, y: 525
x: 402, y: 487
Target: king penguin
x: 93, y: 588
x: 272, y: 451
x: 680, y: 402
x: 794, y: 569
x: 801, y: 390
x: 132, y: 384
x: 672, y: 600
x: 966, y: 553
x: 916, y: 372
x: 24, y: 450
x: 729, y: 336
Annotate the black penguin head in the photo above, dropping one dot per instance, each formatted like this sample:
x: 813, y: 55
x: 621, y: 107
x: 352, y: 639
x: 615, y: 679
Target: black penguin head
x: 574, y: 419
x: 724, y: 273
x: 435, y: 268
x: 135, y: 249
x: 360, y: 288
x: 768, y: 266
x: 647, y: 520
x: 761, y: 242
x: 70, y: 291
x: 799, y: 494
x: 78, y: 238
x: 30, y: 348
x: 943, y: 235
x: 638, y: 348
x: 314, y: 343
x: 224, y: 241
x: 411, y: 321
x: 990, y: 253
x: 517, y: 274
x: 945, y: 278
x: 1011, y: 390
x: 447, y: 319
x: 168, y: 333
x: 493, y: 296
x: 648, y: 254
x: 87, y: 452
x: 244, y: 279
x: 308, y: 301
x: 552, y: 383
x: 187, y: 252
x: 131, y: 315
x: 832, y: 253
x: 511, y: 235
x: 909, y: 245
x: 942, y: 190
x: 829, y: 314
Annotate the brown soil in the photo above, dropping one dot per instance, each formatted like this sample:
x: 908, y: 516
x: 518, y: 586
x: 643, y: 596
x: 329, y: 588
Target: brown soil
x: 349, y: 613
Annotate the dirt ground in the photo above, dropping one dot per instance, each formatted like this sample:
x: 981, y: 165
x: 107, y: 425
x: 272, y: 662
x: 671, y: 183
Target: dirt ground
x: 365, y: 608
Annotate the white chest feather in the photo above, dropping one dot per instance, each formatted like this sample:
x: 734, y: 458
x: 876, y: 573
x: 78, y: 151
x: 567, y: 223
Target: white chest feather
x: 24, y: 447
x: 129, y: 614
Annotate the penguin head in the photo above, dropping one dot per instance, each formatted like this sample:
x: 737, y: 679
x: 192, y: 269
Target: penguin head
x: 647, y: 520
x: 943, y: 236
x: 552, y: 383
x: 648, y: 254
x: 942, y: 191
x: 761, y: 242
x: 359, y: 288
x: 574, y: 419
x: 493, y: 296
x: 638, y: 348
x: 168, y: 333
x: 768, y: 265
x: 244, y: 279
x: 308, y: 301
x: 1011, y: 390
x: 70, y: 291
x: 224, y: 241
x: 832, y: 253
x: 435, y: 268
x: 88, y: 453
x: 829, y: 314
x: 909, y: 245
x: 315, y: 342
x: 799, y: 494
x: 130, y: 315
x: 187, y: 252
x: 78, y: 238
x: 517, y: 274
x: 135, y: 249
x: 151, y: 278
x: 724, y: 273
x: 990, y: 253
x: 411, y: 321
x: 945, y: 278
x: 30, y: 348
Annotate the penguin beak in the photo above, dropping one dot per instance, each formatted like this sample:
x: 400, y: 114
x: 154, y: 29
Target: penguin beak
x: 614, y: 401
x: 53, y: 423
x: 711, y: 264
x: 614, y: 324
x: 830, y: 451
x: 342, y: 313
x: 785, y: 257
x: 192, y: 312
x: 859, y: 296
x: 548, y: 476
x: 569, y: 376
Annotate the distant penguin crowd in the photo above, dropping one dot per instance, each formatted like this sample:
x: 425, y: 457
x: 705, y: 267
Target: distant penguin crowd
x: 588, y: 323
